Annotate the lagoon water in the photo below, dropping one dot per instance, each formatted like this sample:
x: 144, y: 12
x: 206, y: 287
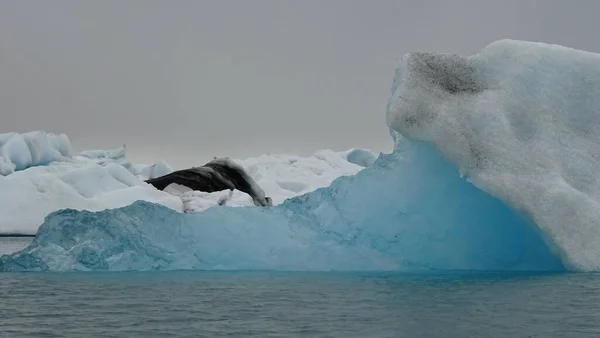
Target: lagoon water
x: 271, y: 304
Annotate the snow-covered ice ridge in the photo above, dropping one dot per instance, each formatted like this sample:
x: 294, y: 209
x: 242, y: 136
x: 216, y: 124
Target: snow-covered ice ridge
x: 496, y: 166
x: 21, y: 151
x: 95, y: 180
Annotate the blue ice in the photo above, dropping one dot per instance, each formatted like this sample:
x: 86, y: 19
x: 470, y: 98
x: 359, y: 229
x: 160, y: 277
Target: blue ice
x: 409, y: 211
x: 495, y: 167
x: 21, y: 151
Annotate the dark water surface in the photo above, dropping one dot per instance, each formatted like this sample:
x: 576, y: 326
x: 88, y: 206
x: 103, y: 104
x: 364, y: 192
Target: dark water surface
x: 267, y: 304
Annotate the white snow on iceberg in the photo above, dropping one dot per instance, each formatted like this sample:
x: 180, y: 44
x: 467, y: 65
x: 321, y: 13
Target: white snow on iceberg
x: 21, y: 151
x: 28, y: 195
x: 96, y: 180
x: 495, y: 167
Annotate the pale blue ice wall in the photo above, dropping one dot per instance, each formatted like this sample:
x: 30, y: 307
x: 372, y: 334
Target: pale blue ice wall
x: 410, y: 210
x: 521, y: 120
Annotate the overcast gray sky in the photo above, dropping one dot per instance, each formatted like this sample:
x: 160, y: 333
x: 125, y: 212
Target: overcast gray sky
x: 184, y: 81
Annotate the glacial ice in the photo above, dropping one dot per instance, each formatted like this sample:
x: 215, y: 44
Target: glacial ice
x: 21, y: 151
x: 52, y: 177
x: 358, y: 223
x: 495, y: 167
x: 520, y: 120
x: 95, y: 180
x: 27, y: 196
x: 361, y: 157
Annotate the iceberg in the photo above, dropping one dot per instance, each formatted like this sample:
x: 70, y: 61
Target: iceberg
x: 96, y: 180
x: 520, y: 121
x: 495, y: 167
x: 356, y: 223
x: 21, y: 151
x: 28, y: 195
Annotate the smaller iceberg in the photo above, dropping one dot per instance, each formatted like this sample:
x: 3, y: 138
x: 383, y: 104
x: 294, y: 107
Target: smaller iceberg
x: 21, y: 151
x: 43, y: 175
x: 381, y: 219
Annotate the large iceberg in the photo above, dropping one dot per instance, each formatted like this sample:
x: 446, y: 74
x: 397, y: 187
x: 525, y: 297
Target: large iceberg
x: 521, y: 122
x: 495, y: 167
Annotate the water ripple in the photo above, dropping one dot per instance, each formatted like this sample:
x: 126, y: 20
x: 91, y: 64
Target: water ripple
x: 204, y: 304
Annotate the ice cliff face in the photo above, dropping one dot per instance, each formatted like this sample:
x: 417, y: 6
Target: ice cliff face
x: 520, y: 120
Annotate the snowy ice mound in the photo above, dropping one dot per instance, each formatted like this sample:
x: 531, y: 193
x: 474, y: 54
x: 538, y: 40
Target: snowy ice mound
x: 95, y: 180
x: 361, y: 157
x: 21, y: 151
x: 78, y: 182
x: 495, y: 167
x: 285, y: 176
